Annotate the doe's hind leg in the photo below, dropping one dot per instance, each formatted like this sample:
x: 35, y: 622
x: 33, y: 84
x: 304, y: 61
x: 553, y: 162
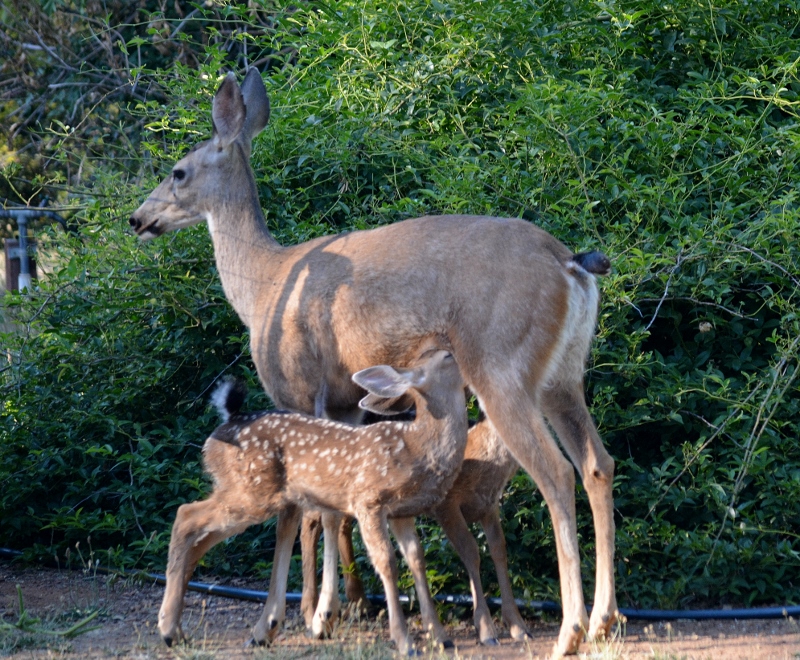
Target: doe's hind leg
x: 520, y: 423
x: 566, y: 411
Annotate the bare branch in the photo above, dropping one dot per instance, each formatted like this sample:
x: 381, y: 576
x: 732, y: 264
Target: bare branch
x: 672, y: 272
x: 697, y: 302
x: 53, y: 53
x: 795, y: 280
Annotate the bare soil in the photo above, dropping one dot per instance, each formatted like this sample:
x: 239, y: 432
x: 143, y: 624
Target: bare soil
x: 219, y: 627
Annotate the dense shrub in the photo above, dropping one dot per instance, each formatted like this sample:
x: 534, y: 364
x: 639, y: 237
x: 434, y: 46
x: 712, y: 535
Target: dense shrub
x: 665, y: 135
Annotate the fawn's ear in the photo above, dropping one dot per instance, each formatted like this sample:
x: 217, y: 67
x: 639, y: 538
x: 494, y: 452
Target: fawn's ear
x: 387, y: 383
x: 378, y: 404
x: 386, y: 406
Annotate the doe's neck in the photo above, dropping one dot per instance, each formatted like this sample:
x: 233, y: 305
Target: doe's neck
x: 246, y: 255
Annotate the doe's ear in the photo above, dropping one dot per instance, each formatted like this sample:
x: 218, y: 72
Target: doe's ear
x: 228, y: 111
x: 384, y: 382
x: 256, y: 104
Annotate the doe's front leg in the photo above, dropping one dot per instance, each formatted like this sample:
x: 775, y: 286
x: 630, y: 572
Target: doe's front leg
x: 310, y: 531
x: 353, y: 586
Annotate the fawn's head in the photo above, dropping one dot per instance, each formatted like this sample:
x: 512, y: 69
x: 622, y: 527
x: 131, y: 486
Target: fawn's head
x: 213, y: 170
x: 433, y: 383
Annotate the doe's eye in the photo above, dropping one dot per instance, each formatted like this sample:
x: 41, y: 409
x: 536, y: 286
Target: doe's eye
x: 178, y: 174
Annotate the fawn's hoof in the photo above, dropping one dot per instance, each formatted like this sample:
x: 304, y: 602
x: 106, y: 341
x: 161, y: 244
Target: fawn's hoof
x: 323, y: 625
x: 253, y: 642
x: 324, y: 633
x: 491, y: 641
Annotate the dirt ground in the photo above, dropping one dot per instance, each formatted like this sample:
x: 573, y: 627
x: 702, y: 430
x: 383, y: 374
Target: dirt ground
x: 220, y: 626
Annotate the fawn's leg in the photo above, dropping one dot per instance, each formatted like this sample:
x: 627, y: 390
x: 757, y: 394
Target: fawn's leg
x: 198, y: 527
x: 497, y: 547
x: 271, y: 620
x: 407, y: 539
x: 449, y: 516
x: 327, y: 612
x: 376, y: 537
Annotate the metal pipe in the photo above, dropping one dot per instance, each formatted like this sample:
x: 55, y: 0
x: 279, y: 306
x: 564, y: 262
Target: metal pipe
x: 24, y: 279
x: 28, y: 212
x: 21, y: 216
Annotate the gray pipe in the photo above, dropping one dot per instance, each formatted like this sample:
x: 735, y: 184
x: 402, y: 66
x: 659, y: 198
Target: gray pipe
x: 21, y: 215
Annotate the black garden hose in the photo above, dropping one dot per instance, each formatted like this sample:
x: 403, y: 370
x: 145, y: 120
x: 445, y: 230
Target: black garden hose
x: 530, y: 605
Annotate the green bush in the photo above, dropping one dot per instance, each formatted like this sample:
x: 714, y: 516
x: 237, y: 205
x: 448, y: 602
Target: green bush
x: 665, y: 135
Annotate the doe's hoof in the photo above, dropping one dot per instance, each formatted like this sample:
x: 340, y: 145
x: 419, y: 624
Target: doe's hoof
x: 491, y: 641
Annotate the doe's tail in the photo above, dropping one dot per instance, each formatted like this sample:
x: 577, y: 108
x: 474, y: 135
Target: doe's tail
x: 594, y: 262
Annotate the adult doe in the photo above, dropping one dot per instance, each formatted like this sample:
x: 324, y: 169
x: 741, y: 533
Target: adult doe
x: 517, y: 308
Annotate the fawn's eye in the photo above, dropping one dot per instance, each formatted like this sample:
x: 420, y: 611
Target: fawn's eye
x: 178, y: 174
